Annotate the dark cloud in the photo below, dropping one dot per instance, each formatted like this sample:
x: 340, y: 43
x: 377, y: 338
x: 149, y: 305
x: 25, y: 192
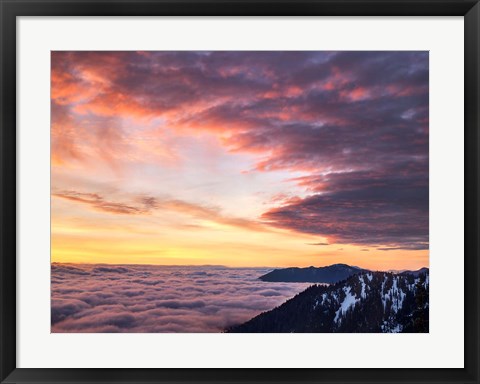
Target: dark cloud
x: 159, y: 298
x: 98, y: 202
x: 413, y: 247
x: 362, y: 208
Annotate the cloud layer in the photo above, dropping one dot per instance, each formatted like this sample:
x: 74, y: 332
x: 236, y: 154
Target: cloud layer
x: 136, y: 298
x: 353, y: 124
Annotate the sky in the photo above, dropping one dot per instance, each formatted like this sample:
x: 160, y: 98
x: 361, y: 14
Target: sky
x: 240, y: 158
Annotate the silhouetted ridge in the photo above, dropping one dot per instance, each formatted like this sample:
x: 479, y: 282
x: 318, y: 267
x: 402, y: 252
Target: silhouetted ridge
x: 329, y: 275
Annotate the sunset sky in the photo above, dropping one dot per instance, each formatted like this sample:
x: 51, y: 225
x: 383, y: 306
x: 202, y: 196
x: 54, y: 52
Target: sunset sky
x: 240, y: 158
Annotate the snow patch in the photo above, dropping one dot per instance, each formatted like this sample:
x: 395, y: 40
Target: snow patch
x: 320, y: 301
x: 388, y: 327
x: 349, y: 301
x: 395, y: 295
x: 384, y: 295
x: 363, y: 294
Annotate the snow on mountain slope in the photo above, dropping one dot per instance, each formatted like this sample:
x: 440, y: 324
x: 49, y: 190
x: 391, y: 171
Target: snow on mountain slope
x: 365, y: 302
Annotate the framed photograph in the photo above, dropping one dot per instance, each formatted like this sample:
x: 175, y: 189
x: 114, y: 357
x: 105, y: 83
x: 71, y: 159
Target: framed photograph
x: 222, y: 191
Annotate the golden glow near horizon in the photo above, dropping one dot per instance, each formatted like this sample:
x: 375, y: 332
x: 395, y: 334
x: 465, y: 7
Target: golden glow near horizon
x: 158, y: 178
x: 126, y: 241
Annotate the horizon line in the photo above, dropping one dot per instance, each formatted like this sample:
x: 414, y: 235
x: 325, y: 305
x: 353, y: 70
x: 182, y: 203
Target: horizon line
x: 231, y: 267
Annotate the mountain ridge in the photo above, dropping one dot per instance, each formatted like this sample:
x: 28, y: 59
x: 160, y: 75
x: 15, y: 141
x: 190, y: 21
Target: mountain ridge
x: 366, y: 302
x: 329, y: 274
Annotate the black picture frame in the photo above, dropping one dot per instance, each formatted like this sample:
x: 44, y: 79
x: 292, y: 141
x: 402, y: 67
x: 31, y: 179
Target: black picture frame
x: 10, y: 10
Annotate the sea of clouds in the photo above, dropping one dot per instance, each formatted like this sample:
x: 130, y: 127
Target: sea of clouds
x: 146, y: 298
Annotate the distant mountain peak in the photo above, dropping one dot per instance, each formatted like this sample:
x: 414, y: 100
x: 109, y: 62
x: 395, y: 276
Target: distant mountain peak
x: 417, y: 272
x: 328, y: 275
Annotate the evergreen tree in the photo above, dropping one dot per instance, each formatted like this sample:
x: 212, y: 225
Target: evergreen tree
x: 420, y: 322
